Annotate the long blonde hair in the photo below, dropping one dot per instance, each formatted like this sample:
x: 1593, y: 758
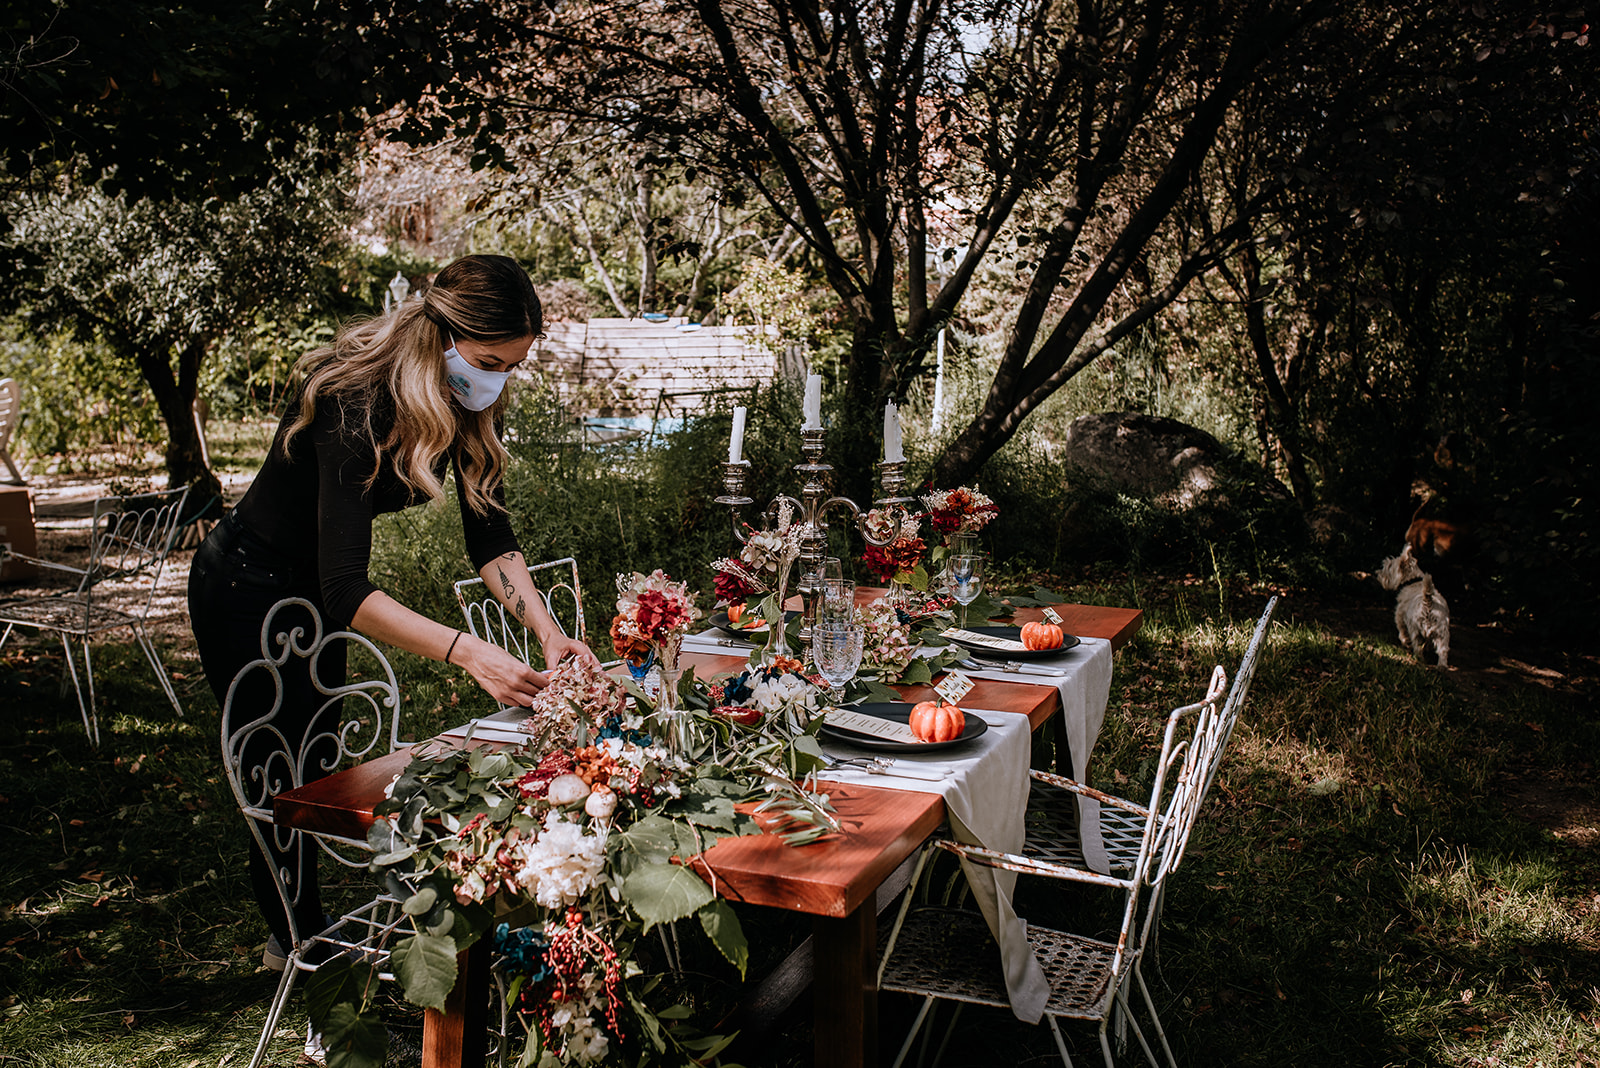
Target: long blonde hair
x: 483, y: 298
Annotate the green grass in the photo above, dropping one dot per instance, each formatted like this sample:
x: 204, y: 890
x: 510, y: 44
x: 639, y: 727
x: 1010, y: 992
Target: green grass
x: 1357, y: 892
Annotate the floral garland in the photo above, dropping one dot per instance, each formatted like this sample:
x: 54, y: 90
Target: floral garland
x: 583, y: 847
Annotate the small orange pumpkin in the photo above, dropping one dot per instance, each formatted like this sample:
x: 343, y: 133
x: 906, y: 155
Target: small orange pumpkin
x: 934, y: 721
x: 734, y: 612
x: 1041, y: 636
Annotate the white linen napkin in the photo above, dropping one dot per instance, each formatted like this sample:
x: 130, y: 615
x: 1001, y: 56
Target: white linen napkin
x: 986, y: 795
x: 715, y: 641
x: 1085, y: 689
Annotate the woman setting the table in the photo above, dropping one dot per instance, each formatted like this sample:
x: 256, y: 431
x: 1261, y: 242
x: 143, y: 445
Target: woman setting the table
x: 381, y: 415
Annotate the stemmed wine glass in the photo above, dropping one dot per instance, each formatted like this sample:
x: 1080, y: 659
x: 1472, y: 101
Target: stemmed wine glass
x: 836, y: 648
x: 966, y: 581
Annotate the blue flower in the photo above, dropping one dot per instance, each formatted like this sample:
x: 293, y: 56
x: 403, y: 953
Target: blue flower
x: 523, y: 951
x: 738, y: 690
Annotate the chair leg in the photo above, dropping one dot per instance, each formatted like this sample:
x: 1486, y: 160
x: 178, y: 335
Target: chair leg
x: 1138, y: 1032
x: 91, y: 722
x: 916, y: 1025
x: 88, y: 678
x: 160, y: 669
x: 1061, y: 1042
x: 955, y: 1017
x: 275, y: 1010
x: 7, y: 635
x: 1155, y: 1020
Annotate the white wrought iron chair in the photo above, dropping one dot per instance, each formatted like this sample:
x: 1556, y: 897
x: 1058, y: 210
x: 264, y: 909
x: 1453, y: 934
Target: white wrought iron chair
x: 264, y: 758
x: 488, y: 619
x: 1144, y: 844
x: 10, y: 416
x: 937, y: 952
x: 131, y: 539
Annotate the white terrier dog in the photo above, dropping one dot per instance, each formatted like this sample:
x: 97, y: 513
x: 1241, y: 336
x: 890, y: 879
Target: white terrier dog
x: 1420, y: 612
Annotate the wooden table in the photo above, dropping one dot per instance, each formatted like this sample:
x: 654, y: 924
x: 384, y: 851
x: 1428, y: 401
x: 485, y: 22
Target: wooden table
x: 835, y: 880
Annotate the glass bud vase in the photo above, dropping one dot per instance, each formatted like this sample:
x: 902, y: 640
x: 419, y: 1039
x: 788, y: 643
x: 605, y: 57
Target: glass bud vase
x: 778, y: 634
x: 672, y: 722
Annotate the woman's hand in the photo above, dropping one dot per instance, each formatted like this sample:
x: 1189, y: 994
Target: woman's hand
x: 558, y: 647
x: 503, y: 676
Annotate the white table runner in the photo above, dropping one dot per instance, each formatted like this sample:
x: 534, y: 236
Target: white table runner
x: 1085, y: 688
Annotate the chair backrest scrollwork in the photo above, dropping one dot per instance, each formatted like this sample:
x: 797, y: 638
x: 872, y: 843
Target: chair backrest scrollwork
x: 290, y: 717
x: 488, y: 619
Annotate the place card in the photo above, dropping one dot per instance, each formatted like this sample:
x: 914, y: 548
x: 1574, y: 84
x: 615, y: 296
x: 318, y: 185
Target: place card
x: 846, y: 719
x: 1052, y: 616
x: 954, y: 686
x: 988, y: 641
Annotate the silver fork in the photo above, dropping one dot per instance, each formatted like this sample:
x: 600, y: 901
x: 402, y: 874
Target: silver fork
x: 1014, y: 667
x: 888, y: 766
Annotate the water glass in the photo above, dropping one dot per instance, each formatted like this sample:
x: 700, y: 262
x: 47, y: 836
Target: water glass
x: 838, y: 601
x: 836, y: 649
x: 966, y: 581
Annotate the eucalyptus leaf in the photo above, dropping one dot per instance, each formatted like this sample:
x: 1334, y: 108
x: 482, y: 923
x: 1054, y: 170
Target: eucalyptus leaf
x: 340, y: 981
x: 421, y: 902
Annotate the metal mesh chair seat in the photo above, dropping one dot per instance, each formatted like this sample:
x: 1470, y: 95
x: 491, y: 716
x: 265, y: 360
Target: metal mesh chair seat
x: 68, y: 614
x: 948, y: 953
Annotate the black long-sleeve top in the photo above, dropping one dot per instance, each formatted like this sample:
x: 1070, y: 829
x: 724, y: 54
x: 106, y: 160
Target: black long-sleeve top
x: 315, y: 509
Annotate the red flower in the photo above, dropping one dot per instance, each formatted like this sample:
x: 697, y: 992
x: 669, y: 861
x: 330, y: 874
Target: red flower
x: 659, y: 616
x: 888, y: 561
x: 730, y: 588
x: 746, y: 717
x: 536, y: 782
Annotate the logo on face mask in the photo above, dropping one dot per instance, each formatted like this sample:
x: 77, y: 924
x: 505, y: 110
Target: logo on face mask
x: 474, y: 388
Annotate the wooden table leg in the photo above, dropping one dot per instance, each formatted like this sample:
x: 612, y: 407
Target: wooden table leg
x: 458, y: 1036
x: 844, y: 996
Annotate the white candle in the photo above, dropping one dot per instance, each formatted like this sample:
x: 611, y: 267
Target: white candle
x: 813, y: 403
x: 892, y: 451
x: 736, y: 443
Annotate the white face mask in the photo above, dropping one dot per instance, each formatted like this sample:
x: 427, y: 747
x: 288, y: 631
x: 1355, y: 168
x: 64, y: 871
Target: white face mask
x: 475, y: 388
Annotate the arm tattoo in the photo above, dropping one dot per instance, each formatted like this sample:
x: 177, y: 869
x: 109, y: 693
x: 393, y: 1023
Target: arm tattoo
x: 522, y: 610
x: 505, y: 582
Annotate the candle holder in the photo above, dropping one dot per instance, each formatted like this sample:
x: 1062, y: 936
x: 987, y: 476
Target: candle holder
x: 810, y: 513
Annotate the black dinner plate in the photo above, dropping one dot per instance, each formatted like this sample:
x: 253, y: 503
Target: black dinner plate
x: 719, y: 619
x: 1013, y: 634
x: 899, y: 711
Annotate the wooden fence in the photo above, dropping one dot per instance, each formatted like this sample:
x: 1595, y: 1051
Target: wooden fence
x: 628, y: 367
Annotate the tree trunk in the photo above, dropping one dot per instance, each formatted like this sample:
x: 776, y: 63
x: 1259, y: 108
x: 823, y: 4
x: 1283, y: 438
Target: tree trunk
x: 175, y: 396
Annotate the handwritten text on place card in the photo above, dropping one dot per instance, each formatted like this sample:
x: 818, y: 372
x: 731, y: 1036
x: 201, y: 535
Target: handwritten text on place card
x: 988, y: 641
x: 954, y: 687
x: 1052, y: 616
x: 861, y: 723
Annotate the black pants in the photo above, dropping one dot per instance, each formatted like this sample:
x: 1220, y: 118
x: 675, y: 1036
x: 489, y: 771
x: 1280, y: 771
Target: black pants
x: 234, y: 580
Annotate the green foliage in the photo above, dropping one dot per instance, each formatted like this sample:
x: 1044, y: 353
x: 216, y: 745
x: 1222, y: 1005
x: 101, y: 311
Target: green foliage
x: 77, y: 398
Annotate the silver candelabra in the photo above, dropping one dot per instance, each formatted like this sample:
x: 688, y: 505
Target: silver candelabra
x: 812, y: 511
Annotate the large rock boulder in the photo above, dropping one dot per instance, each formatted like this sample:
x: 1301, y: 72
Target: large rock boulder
x: 1162, y: 460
